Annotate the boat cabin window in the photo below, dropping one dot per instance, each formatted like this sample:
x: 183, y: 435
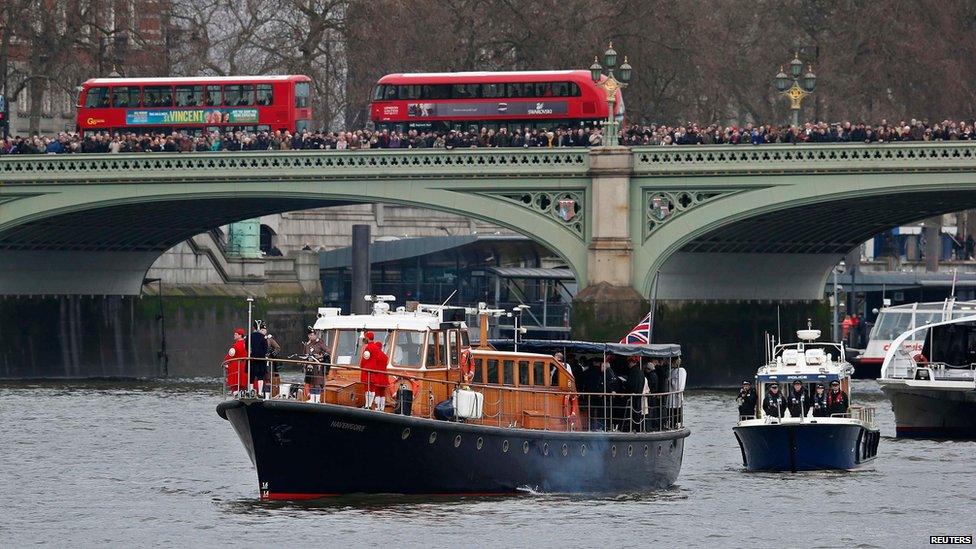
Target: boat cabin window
x: 553, y: 374
x: 508, y: 372
x: 347, y: 346
x: 479, y: 376
x: 538, y: 373
x: 406, y: 348
x: 455, y: 345
x: 891, y: 324
x: 491, y: 375
x: 524, y: 372
x: 436, y: 350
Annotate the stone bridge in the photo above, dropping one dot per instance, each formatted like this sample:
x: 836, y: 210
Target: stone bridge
x: 717, y: 222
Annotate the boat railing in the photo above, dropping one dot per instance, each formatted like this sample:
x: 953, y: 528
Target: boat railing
x: 864, y: 414
x: 527, y: 407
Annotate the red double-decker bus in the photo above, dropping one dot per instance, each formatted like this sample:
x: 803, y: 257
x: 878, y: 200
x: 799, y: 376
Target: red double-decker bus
x: 468, y: 100
x: 195, y: 105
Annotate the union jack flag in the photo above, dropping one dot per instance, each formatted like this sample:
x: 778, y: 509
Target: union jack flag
x: 640, y: 334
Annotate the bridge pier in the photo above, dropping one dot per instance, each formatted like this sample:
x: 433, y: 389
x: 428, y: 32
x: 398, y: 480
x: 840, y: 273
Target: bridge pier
x: 607, y: 305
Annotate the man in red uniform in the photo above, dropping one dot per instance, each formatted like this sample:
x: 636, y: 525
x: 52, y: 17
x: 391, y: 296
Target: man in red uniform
x: 236, y: 370
x: 373, y: 363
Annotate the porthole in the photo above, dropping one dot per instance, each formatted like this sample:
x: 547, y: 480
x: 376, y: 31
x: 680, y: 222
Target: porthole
x: 582, y: 449
x: 613, y: 450
x: 660, y: 449
x: 671, y: 449
x: 630, y: 450
x: 647, y: 451
x: 525, y: 447
x: 545, y: 449
x: 480, y: 443
x: 432, y: 438
x: 505, y: 446
x: 406, y: 434
x: 565, y: 449
x: 457, y: 441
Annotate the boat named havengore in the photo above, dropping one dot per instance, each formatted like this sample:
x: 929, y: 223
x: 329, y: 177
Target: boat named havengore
x: 826, y: 432
x: 932, y: 387
x: 456, y: 419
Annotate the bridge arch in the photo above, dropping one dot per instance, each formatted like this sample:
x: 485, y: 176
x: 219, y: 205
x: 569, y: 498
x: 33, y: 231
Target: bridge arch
x: 777, y: 237
x: 91, y: 225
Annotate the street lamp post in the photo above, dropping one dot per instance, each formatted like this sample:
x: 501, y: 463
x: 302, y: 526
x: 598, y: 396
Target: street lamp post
x: 611, y: 85
x: 838, y: 269
x: 796, y: 85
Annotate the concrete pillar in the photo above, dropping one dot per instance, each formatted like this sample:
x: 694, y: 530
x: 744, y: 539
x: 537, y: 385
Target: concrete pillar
x: 244, y: 238
x: 360, y: 269
x: 609, y: 306
x: 932, y: 228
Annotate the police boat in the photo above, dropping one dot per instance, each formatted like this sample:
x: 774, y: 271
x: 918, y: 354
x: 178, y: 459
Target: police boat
x: 803, y: 419
x: 407, y: 405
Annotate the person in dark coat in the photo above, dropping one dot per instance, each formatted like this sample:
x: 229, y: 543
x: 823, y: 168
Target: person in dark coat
x: 818, y: 401
x: 653, y: 420
x: 747, y: 399
x: 774, y: 405
x: 837, y: 401
x: 259, y: 355
x: 634, y: 386
x: 798, y: 400
x: 600, y: 379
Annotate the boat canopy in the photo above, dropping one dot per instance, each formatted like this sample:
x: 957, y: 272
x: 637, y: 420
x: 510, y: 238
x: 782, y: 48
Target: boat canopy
x: 779, y: 378
x: 653, y: 350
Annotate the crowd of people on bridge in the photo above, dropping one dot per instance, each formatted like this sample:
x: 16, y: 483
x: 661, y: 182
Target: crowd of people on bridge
x: 634, y: 135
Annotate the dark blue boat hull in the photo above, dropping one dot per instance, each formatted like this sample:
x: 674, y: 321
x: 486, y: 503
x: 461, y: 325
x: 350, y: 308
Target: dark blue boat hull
x: 303, y: 451
x: 806, y: 447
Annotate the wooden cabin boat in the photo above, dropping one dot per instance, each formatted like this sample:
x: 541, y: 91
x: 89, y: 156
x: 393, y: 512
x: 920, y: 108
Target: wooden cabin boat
x: 518, y: 419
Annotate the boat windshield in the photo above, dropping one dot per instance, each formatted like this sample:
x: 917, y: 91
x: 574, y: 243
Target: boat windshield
x: 891, y: 324
x: 407, y: 347
x: 349, y: 344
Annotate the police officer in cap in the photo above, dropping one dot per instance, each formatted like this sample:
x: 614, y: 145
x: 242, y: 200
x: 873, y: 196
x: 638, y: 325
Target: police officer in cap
x: 747, y: 399
x: 798, y: 401
x: 818, y: 401
x: 837, y: 401
x: 774, y: 404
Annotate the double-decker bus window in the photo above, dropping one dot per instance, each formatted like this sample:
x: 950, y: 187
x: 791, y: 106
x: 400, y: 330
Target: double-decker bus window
x: 213, y: 96
x: 247, y: 95
x: 265, y: 95
x: 408, y: 92
x: 189, y: 96
x: 440, y: 91
x: 232, y: 95
x: 302, y: 91
x: 389, y: 93
x: 158, y: 96
x: 543, y: 89
x: 378, y: 92
x: 493, y: 90
x: 574, y: 90
x: 125, y: 97
x: 97, y: 97
x: 466, y: 91
x: 517, y: 89
x: 560, y: 89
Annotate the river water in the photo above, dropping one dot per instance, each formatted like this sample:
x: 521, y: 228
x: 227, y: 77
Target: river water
x: 135, y: 464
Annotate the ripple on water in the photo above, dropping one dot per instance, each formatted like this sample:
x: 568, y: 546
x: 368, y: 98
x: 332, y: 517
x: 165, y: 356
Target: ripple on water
x: 141, y: 463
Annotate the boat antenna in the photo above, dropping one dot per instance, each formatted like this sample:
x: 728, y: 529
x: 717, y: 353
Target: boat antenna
x: 650, y: 323
x: 779, y: 333
x: 449, y: 298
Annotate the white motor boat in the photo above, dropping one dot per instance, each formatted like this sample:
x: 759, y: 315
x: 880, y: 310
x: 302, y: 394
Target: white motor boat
x: 933, y: 391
